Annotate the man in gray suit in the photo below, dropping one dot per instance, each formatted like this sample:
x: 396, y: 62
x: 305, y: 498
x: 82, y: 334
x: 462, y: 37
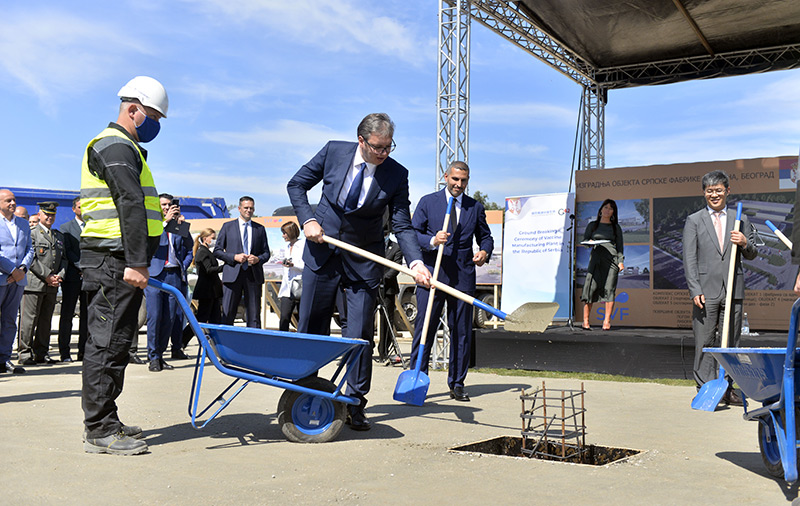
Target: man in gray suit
x: 707, y: 239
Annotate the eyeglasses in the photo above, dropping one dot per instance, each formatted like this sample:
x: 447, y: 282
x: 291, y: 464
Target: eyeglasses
x: 381, y: 149
x: 716, y: 191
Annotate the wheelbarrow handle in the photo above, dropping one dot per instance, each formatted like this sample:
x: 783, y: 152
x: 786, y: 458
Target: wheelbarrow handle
x: 405, y: 270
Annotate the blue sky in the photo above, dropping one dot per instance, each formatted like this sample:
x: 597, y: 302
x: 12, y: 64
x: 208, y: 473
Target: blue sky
x: 257, y: 87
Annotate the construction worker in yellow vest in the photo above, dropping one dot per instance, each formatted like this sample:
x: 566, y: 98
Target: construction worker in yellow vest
x: 123, y: 224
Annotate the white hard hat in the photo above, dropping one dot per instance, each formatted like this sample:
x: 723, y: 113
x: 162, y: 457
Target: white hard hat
x: 148, y: 92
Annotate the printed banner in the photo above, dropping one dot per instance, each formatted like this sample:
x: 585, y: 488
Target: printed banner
x: 653, y: 205
x: 536, y: 251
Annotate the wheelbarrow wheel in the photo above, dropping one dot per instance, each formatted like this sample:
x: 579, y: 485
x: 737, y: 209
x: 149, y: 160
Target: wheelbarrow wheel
x: 770, y: 449
x: 306, y: 418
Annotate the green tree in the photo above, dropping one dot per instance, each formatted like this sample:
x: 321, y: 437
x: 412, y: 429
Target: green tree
x: 643, y: 208
x: 484, y: 199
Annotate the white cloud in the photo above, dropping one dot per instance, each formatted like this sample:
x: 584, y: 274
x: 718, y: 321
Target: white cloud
x: 522, y: 113
x: 53, y: 53
x: 225, y: 93
x: 333, y: 25
x: 287, y: 133
x: 505, y: 148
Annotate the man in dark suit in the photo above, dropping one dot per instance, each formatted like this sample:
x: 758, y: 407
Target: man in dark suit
x: 71, y: 287
x: 242, y: 245
x: 359, y: 183
x: 168, y: 265
x: 389, y: 289
x: 467, y: 220
x: 707, y: 239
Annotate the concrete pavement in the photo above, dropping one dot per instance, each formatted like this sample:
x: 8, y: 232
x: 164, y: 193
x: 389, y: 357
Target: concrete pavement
x: 242, y: 457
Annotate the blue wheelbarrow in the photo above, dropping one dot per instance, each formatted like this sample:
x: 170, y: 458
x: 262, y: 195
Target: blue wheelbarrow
x: 766, y: 375
x: 312, y: 409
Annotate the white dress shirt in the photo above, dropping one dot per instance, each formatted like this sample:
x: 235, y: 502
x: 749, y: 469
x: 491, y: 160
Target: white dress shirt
x: 723, y: 219
x: 242, y: 225
x: 369, y: 175
x: 455, y: 213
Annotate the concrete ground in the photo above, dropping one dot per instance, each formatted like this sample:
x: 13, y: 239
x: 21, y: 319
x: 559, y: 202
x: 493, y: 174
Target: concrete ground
x: 242, y: 457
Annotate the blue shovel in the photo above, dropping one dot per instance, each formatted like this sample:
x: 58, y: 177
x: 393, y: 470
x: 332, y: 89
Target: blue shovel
x: 412, y: 385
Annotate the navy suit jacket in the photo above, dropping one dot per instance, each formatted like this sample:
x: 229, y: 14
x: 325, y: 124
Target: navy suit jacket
x: 72, y: 248
x: 458, y: 269
x: 183, y: 251
x: 364, y: 226
x: 229, y: 244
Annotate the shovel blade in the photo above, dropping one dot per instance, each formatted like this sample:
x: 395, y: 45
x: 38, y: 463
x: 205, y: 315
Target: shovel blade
x: 532, y: 317
x: 711, y: 393
x: 412, y: 387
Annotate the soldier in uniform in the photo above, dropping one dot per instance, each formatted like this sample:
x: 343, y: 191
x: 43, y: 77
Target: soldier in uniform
x: 44, y: 277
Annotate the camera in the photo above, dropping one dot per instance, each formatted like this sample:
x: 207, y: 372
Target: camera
x: 176, y: 202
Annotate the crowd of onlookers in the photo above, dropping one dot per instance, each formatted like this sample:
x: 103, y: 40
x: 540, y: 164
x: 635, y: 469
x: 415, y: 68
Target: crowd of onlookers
x: 50, y: 260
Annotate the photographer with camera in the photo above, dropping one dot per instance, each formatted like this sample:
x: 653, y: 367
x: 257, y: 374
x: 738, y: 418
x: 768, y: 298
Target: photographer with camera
x: 169, y: 264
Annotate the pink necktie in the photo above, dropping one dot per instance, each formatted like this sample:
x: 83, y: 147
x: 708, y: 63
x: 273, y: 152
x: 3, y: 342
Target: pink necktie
x: 718, y: 227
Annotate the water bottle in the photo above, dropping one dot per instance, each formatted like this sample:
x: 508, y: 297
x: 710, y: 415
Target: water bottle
x: 745, y: 326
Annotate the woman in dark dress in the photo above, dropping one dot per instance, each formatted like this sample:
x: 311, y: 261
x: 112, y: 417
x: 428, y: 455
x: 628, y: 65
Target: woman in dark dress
x: 208, y: 289
x: 605, y: 262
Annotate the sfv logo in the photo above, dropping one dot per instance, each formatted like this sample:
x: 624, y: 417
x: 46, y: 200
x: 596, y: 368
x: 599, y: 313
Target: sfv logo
x: 619, y: 312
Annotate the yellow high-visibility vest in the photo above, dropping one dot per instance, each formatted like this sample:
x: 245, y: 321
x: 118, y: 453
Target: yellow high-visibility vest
x: 97, y: 205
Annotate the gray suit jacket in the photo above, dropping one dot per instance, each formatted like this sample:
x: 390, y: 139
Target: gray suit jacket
x: 704, y: 265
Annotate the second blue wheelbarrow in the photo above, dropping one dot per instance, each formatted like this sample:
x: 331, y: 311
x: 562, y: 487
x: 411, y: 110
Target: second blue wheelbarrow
x: 767, y: 376
x: 312, y: 409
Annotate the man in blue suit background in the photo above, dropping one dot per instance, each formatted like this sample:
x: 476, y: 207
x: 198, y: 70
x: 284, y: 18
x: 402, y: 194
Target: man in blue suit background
x: 168, y: 265
x: 360, y: 182
x: 467, y: 220
x: 242, y: 244
x: 16, y: 255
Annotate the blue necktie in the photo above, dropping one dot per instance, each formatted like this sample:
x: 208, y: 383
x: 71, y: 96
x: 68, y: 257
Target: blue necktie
x: 244, y: 246
x: 351, y: 202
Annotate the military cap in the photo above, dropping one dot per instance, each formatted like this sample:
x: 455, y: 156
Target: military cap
x: 47, y: 207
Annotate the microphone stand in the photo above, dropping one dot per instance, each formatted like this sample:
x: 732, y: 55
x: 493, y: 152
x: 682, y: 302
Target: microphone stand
x: 571, y: 231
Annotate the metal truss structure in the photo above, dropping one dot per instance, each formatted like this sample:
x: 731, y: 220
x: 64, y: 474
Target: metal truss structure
x: 513, y: 21
x: 452, y: 109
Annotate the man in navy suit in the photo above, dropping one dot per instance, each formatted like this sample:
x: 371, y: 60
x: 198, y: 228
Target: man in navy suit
x: 168, y: 265
x: 467, y: 220
x: 16, y: 255
x: 242, y: 245
x: 359, y: 183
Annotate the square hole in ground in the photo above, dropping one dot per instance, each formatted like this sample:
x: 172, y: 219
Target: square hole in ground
x: 509, y: 446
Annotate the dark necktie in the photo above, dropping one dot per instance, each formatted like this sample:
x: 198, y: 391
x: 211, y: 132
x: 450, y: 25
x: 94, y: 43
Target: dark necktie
x: 351, y: 202
x: 244, y: 245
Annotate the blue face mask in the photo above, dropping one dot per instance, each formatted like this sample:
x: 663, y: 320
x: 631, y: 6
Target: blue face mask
x: 148, y: 130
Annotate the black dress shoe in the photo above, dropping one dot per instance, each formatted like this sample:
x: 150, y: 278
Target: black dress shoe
x: 115, y: 444
x: 66, y: 360
x: 46, y: 360
x: 13, y: 369
x: 357, y: 420
x: 179, y: 355
x: 155, y: 365
x: 732, y: 398
x: 165, y: 365
x: 459, y: 394
x: 27, y: 361
x: 134, y: 359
